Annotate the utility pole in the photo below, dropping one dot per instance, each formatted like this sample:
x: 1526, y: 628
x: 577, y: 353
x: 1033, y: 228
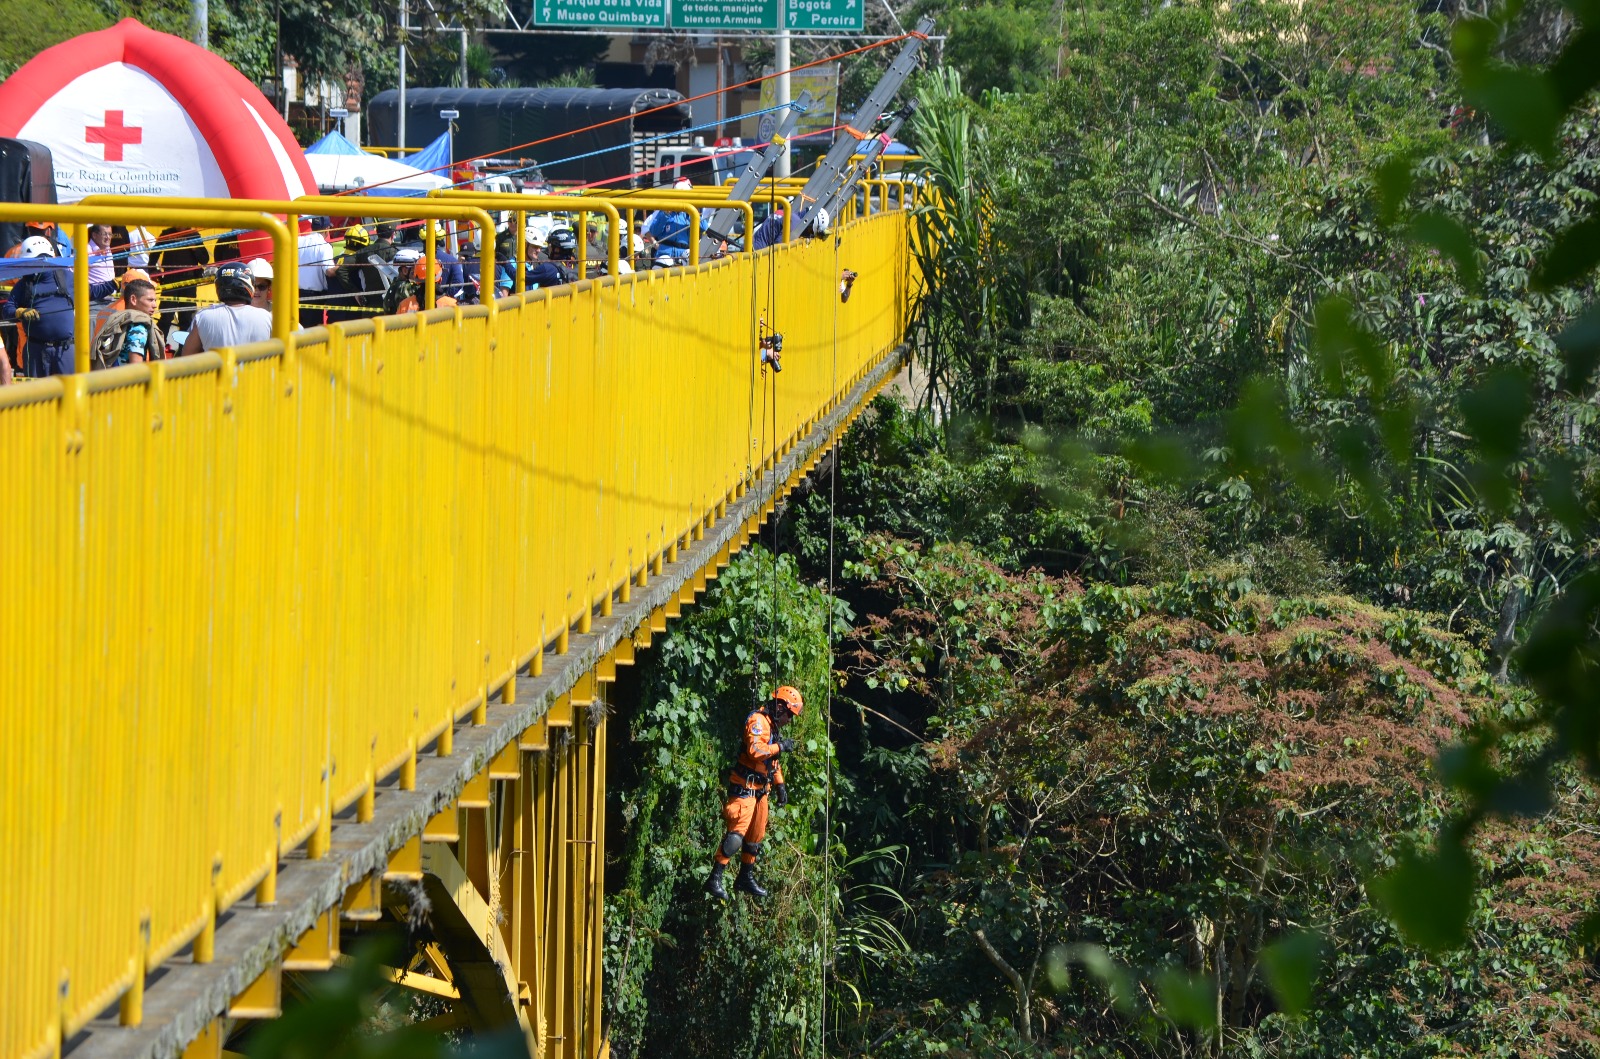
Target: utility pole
x: 722, y: 81
x: 401, y: 131
x: 783, y: 58
x: 464, y: 60
x: 201, y: 19
x: 277, y: 51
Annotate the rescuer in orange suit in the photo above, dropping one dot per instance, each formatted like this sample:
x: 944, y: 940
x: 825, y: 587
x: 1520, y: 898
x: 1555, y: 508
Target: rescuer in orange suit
x: 757, y: 772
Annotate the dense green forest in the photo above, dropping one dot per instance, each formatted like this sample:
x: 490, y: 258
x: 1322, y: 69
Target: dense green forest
x: 1214, y: 634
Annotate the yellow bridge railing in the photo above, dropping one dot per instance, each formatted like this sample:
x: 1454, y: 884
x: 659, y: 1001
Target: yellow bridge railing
x: 246, y: 587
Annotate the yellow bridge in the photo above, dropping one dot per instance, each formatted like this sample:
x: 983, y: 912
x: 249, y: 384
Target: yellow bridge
x: 304, y: 632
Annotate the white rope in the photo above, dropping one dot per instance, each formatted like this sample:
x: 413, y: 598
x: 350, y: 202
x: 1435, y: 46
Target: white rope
x: 827, y: 716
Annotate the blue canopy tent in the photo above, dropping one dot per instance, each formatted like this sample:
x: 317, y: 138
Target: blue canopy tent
x: 334, y: 142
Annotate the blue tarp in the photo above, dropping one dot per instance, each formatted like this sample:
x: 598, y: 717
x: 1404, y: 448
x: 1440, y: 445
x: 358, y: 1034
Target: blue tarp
x: 434, y: 158
x: 334, y: 143
x: 17, y: 267
x: 340, y: 166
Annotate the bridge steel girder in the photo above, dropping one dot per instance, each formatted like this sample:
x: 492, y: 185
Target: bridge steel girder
x: 535, y: 763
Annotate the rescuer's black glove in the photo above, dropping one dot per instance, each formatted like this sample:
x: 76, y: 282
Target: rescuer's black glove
x: 785, y: 744
x: 780, y: 794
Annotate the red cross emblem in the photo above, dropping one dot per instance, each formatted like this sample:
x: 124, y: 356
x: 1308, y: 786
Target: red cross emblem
x: 114, y: 135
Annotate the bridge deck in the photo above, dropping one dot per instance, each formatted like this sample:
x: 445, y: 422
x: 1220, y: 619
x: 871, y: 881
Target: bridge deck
x: 259, y: 583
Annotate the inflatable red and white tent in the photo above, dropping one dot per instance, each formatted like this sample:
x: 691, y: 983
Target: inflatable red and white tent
x: 130, y: 111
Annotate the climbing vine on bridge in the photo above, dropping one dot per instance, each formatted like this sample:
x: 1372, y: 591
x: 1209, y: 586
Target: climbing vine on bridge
x: 686, y: 975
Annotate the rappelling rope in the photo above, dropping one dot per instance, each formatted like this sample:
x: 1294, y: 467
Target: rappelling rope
x: 752, y: 445
x: 766, y: 326
x: 827, y: 706
x: 652, y: 110
x: 771, y: 319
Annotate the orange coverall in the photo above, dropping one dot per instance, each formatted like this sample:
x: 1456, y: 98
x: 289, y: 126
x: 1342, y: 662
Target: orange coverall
x: 745, y: 811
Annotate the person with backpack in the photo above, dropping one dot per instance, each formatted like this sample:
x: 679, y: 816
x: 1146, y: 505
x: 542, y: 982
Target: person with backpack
x: 42, y: 303
x: 384, y: 247
x: 452, y: 279
x: 120, y: 302
x: 234, y: 321
x: 130, y: 334
x: 407, y: 286
x: 406, y: 293
x: 364, y: 276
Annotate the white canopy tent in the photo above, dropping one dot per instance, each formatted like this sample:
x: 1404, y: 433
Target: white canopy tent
x: 342, y: 166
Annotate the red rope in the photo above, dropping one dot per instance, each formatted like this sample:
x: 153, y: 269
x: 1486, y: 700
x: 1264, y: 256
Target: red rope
x: 669, y: 165
x: 652, y: 110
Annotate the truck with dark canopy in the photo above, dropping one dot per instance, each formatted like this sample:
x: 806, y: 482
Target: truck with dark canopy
x: 497, y: 122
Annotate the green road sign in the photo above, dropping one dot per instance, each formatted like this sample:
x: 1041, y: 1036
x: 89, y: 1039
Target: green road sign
x: 703, y: 16
x: 617, y: 14
x: 824, y: 16
x: 725, y: 14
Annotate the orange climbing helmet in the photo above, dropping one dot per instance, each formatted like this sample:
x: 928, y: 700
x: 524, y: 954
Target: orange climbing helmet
x: 419, y: 270
x: 790, y: 697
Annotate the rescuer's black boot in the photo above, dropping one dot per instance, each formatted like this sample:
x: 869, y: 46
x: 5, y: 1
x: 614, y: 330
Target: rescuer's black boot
x: 747, y: 882
x: 714, y: 884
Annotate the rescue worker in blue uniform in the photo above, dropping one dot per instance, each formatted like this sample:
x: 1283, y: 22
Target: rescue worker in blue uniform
x: 668, y: 232
x: 561, y: 247
x: 42, y: 303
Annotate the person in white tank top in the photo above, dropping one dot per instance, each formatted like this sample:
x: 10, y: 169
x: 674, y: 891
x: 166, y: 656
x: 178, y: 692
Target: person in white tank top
x: 235, y: 322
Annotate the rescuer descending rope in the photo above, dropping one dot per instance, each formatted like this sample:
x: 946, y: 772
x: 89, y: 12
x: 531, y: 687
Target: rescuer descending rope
x: 756, y: 773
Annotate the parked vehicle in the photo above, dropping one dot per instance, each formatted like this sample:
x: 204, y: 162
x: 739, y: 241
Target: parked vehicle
x: 701, y: 164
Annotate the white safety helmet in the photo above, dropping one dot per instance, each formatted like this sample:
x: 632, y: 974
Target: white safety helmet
x: 37, y: 246
x: 407, y: 256
x: 260, y: 268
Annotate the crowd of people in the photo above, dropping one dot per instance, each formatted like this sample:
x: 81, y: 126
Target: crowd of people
x: 145, y: 288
